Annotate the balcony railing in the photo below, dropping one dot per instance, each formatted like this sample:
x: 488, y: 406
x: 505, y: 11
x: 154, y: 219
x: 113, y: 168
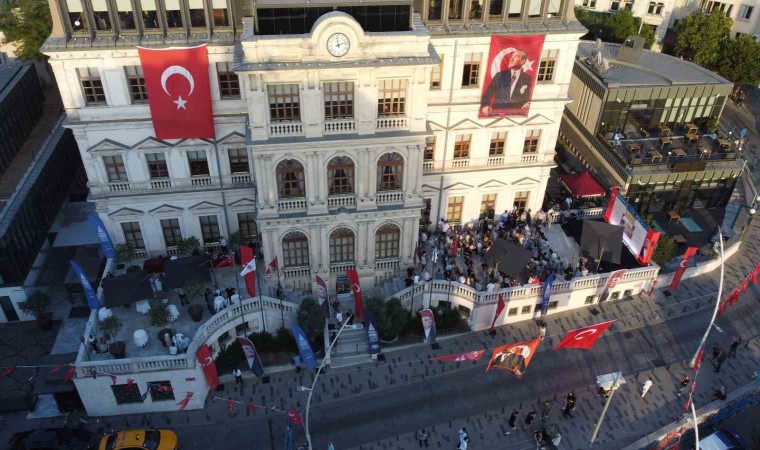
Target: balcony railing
x: 201, y: 181
x: 389, y: 198
x: 341, y: 267
x: 390, y: 123
x: 390, y: 263
x: 284, y: 129
x: 340, y: 126
x: 162, y: 184
x: 341, y: 201
x: 464, y: 164
x: 301, y: 271
x: 292, y: 205
x: 241, y: 179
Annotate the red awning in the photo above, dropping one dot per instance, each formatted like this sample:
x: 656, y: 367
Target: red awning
x: 582, y: 185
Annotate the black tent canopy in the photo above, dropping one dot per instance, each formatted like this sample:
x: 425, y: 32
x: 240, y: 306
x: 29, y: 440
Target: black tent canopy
x: 127, y: 288
x: 179, y: 271
x: 601, y: 241
x: 507, y: 257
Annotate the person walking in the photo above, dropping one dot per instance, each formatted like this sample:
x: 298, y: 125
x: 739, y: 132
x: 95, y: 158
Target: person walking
x: 569, y: 406
x: 238, y: 374
x: 717, y: 348
x: 683, y: 383
x: 422, y: 437
x: 647, y: 386
x: 512, y: 420
x: 297, y: 363
x: 546, y: 409
x: 464, y: 439
x: 330, y: 445
x: 529, y: 420
x: 721, y: 359
x: 734, y: 345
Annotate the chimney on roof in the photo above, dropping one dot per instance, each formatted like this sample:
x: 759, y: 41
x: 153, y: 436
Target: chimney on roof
x: 631, y: 49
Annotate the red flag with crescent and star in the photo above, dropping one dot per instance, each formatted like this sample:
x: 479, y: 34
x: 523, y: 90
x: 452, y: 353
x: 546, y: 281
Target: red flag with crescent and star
x: 209, y: 367
x: 514, y: 357
x: 465, y: 356
x: 499, y: 308
x: 179, y: 92
x: 356, y: 288
x: 691, y: 251
x: 584, y: 337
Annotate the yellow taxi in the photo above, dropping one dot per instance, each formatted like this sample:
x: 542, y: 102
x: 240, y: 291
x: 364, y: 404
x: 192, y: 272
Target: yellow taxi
x: 140, y: 439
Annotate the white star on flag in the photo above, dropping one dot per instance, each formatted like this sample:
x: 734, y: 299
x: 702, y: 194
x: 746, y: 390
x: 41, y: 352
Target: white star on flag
x: 248, y: 268
x: 528, y: 66
x: 180, y: 103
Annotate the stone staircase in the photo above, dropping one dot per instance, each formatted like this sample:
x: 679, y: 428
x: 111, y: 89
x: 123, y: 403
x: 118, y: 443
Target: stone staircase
x: 733, y: 207
x: 352, y: 348
x: 388, y: 289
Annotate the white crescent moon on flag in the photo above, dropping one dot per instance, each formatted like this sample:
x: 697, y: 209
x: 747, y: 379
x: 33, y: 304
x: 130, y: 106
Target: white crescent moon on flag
x: 177, y: 70
x: 356, y: 287
x: 684, y: 263
x: 582, y: 334
x: 208, y: 361
x: 496, y: 63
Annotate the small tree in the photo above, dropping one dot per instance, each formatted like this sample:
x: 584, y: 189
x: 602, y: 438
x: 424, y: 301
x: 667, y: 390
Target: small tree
x: 36, y: 304
x: 193, y: 288
x: 614, y: 27
x: 186, y: 246
x: 664, y: 250
x: 235, y: 241
x: 311, y: 317
x: 125, y: 253
x: 739, y: 60
x: 700, y: 36
x: 27, y: 24
x: 110, y: 326
x: 159, y: 315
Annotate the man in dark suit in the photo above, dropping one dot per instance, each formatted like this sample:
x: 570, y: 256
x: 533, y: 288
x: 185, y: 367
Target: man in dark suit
x: 509, y: 89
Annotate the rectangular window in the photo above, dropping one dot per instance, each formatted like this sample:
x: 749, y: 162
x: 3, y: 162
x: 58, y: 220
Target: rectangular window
x: 534, y: 8
x: 745, y: 12
x: 487, y: 202
x: 149, y: 15
x: 125, y: 15
x: 455, y: 9
x: 462, y: 146
x: 100, y: 14
x: 476, y: 10
x: 220, y: 14
x: 471, y: 71
x: 247, y: 225
x: 171, y: 231
x: 197, y: 13
x: 77, y: 17
x: 589, y: 3
x: 198, y: 163
x: 532, y: 139
x: 229, y: 86
x: 512, y: 312
x: 295, y: 250
x: 339, y: 100
x: 126, y: 393
x: 589, y: 300
x: 173, y: 14
x: 514, y: 10
x: 435, y: 76
x: 387, y: 242
x: 496, y: 10
x: 615, y: 5
x: 92, y: 86
x: 284, y: 102
x: 628, y: 4
x: 160, y: 391
x: 547, y: 65
x: 498, y: 142
x: 552, y: 305
x: 133, y: 235
x: 115, y: 168
x: 526, y: 309
x: 238, y: 160
x: 391, y: 99
x: 615, y: 295
x: 429, y: 154
x: 209, y: 229
x: 136, y: 81
x: 341, y: 246
x: 521, y: 200
x: 454, y: 209
x: 627, y: 292
x: 157, y: 165
x: 434, y: 10
x: 555, y: 9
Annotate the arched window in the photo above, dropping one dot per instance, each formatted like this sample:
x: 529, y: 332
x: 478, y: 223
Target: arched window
x: 387, y: 240
x: 390, y: 172
x: 341, y: 246
x: 341, y: 175
x: 295, y: 249
x: 290, y: 179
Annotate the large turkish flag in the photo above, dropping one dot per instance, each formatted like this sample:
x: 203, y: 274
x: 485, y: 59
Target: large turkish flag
x: 209, y: 367
x: 584, y: 337
x: 179, y: 94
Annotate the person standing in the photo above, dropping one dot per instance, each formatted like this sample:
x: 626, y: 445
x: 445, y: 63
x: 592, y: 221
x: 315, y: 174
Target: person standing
x: 647, y: 386
x: 546, y: 409
x: 330, y: 445
x: 422, y: 437
x: 717, y: 348
x: 297, y: 363
x: 722, y: 357
x: 529, y: 420
x: 512, y: 420
x: 238, y: 374
x: 734, y: 345
x: 683, y: 383
x: 569, y: 406
x: 223, y: 244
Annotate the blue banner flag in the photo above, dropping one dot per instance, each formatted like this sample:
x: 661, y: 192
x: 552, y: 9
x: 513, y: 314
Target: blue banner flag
x: 92, y: 298
x: 372, y: 336
x: 304, y: 348
x: 105, y: 240
x: 289, y: 436
x: 547, y: 293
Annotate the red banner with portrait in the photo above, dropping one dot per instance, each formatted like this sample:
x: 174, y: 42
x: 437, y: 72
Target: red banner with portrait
x: 510, y: 75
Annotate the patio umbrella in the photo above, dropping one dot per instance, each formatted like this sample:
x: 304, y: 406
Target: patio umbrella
x: 507, y: 257
x: 179, y: 271
x: 125, y: 289
x: 582, y: 185
x: 601, y: 241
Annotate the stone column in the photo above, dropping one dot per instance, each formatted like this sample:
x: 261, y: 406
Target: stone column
x: 361, y: 244
x: 315, y: 241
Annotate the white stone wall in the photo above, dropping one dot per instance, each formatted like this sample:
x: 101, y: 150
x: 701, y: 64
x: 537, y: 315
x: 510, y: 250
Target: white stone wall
x: 640, y: 9
x: 751, y: 25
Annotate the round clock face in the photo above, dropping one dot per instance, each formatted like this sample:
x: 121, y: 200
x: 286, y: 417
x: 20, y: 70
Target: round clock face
x: 338, y: 44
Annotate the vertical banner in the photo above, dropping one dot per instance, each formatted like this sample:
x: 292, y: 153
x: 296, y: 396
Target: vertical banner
x: 304, y: 348
x: 650, y: 242
x: 183, y: 404
x: 272, y: 267
x: 547, y: 294
x: 209, y: 367
x: 372, y: 336
x: 254, y: 363
x: 324, y: 295
x: 499, y: 309
x: 510, y: 75
x: 356, y: 288
x: 179, y: 92
x: 249, y: 269
x: 611, y: 283
x: 105, y: 240
x: 691, y: 251
x: 428, y: 325
x: 89, y: 292
x: 611, y: 204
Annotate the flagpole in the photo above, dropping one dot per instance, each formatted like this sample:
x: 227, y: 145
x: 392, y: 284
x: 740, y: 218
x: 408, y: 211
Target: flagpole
x: 261, y: 303
x: 280, y: 294
x: 696, y: 427
x: 717, y: 303
x: 604, y: 411
x: 237, y: 285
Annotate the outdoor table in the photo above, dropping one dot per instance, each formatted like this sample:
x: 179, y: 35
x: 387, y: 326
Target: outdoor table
x: 691, y: 137
x: 679, y: 239
x: 679, y: 152
x: 664, y: 129
x: 665, y: 141
x: 634, y: 148
x: 724, y: 144
x: 104, y: 313
x: 173, y: 313
x: 654, y: 154
x: 143, y: 306
x: 140, y: 338
x: 691, y: 128
x: 673, y: 215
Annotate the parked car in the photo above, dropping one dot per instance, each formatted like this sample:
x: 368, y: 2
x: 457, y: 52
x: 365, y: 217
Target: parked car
x: 139, y: 439
x: 722, y: 440
x: 53, y: 439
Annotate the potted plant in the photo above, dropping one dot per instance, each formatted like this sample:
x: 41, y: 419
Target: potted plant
x: 110, y: 326
x: 37, y: 305
x: 193, y: 289
x: 125, y: 253
x: 187, y: 246
x: 159, y: 317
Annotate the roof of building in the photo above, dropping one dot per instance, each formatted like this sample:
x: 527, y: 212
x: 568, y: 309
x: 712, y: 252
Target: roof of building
x: 8, y: 72
x: 649, y: 69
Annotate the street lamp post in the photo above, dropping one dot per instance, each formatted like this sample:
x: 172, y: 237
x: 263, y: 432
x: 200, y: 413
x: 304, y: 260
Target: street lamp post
x: 615, y: 386
x: 693, y: 361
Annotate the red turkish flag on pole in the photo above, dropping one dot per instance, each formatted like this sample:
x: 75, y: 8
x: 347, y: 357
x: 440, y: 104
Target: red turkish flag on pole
x: 691, y: 251
x: 295, y: 417
x: 272, y: 266
x: 209, y: 367
x: 356, y: 288
x: 179, y: 93
x: 499, y: 308
x: 466, y: 356
x: 584, y: 337
x: 246, y: 256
